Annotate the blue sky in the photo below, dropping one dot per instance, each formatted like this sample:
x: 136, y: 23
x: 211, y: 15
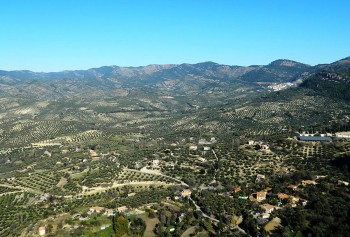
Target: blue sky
x: 55, y: 35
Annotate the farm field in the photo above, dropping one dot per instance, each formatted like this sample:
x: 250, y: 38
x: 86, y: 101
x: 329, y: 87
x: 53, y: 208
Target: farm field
x: 198, y: 157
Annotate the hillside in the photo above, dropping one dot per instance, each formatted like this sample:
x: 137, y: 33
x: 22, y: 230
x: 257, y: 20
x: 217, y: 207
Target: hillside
x: 331, y: 80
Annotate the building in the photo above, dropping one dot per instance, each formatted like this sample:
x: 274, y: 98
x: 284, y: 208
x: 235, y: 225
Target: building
x: 308, y: 182
x: 283, y: 196
x: 206, y: 148
x: 265, y: 147
x: 315, y: 139
x: 341, y: 182
x: 202, y: 159
x: 288, y: 199
x: 260, y: 196
x: 293, y: 187
x: 342, y: 134
x: 203, y: 142
x: 93, y: 153
x: 155, y: 163
x: 192, y: 148
x: 259, y: 178
x: 42, y: 230
x: 96, y: 209
x: 267, y: 208
x: 237, y: 189
x: 122, y: 209
x: 110, y: 212
x: 186, y: 193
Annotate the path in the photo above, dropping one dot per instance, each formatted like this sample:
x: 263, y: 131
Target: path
x: 160, y: 174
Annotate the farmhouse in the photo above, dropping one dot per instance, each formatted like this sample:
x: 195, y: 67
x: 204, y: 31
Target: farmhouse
x: 259, y: 178
x: 292, y: 200
x: 258, y: 196
x: 93, y: 153
x: 203, y: 142
x: 155, y: 163
x: 96, y: 209
x: 282, y: 196
x: 206, y: 148
x: 65, y: 151
x: 42, y: 230
x: 343, y: 134
x: 265, y: 147
x: 122, y: 209
x: 237, y: 189
x: 293, y: 187
x: 192, y: 148
x: 341, y: 182
x: 268, y: 208
x: 202, y: 159
x: 308, y: 182
x: 77, y: 149
x: 110, y: 212
x: 186, y: 193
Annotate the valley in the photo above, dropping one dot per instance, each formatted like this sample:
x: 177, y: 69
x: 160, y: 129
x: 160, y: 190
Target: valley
x: 176, y: 150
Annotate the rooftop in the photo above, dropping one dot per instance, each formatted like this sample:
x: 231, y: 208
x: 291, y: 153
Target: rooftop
x: 186, y: 193
x: 315, y: 138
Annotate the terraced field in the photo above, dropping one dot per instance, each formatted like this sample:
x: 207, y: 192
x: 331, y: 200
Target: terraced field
x: 25, y: 132
x: 41, y: 182
x: 16, y: 212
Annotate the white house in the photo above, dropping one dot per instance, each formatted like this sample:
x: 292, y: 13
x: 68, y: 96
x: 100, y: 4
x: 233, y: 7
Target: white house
x: 42, y: 230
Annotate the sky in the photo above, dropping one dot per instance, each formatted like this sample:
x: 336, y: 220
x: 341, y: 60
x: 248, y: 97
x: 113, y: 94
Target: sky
x: 56, y: 35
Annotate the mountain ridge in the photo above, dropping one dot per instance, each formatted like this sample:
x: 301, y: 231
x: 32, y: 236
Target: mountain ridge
x: 146, y: 66
x: 159, y: 71
x: 173, y: 79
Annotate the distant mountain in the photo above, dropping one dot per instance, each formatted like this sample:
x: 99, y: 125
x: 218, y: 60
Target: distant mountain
x: 336, y: 66
x: 172, y: 79
x: 278, y: 71
x: 181, y: 78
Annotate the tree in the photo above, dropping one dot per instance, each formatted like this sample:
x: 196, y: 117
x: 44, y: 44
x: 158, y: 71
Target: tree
x: 151, y: 213
x: 138, y: 227
x: 121, y: 226
x: 233, y: 221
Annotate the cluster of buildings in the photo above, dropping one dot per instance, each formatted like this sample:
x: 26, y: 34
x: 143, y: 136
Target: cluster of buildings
x: 261, y: 145
x: 281, y: 86
x: 263, y: 196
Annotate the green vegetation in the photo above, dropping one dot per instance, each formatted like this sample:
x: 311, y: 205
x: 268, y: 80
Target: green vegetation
x: 197, y: 155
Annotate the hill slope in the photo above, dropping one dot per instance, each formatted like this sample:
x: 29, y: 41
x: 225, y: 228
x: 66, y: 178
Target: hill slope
x: 331, y: 80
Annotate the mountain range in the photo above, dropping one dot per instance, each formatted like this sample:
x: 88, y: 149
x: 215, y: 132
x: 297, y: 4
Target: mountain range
x: 173, y: 78
x: 180, y: 78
